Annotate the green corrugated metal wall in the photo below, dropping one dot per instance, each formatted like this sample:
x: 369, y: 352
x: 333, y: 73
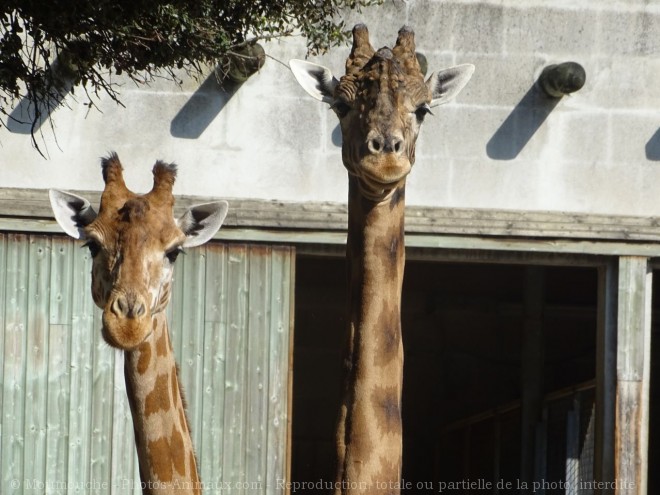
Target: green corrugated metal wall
x: 66, y: 426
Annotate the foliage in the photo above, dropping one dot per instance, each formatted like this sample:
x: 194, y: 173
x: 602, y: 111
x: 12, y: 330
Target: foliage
x: 50, y: 48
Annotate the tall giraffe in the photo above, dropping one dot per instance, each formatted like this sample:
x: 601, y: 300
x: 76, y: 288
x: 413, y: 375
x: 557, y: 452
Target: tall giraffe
x: 381, y: 102
x: 134, y: 240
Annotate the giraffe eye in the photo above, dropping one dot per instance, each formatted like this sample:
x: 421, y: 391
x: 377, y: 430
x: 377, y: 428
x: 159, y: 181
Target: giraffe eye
x: 341, y: 108
x: 173, y: 254
x: 93, y: 247
x: 422, y: 110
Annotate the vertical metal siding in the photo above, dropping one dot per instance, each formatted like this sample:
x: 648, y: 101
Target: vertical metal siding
x: 66, y: 425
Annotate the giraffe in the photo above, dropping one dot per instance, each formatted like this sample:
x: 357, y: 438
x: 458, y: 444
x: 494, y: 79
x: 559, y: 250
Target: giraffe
x: 381, y: 102
x: 134, y: 241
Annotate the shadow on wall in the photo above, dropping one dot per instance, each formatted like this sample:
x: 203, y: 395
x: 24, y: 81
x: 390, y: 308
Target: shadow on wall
x: 28, y: 116
x: 202, y: 107
x: 337, y: 139
x: 653, y: 147
x: 521, y: 124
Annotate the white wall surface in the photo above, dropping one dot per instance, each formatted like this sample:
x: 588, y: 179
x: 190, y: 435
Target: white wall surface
x: 597, y: 151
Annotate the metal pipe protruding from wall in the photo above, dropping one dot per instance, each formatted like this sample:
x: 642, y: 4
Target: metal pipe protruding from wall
x: 562, y: 79
x: 242, y: 62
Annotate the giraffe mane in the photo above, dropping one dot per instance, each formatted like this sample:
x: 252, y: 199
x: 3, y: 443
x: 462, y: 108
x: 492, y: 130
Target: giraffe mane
x: 184, y: 404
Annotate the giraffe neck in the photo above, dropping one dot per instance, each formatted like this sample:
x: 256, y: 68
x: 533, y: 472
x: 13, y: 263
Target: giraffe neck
x: 162, y: 436
x: 369, y: 435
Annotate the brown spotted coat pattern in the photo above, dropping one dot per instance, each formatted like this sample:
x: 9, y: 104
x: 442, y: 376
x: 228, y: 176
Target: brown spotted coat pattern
x: 376, y: 102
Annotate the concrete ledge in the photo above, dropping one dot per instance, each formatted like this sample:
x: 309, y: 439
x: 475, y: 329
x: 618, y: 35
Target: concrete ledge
x: 332, y: 217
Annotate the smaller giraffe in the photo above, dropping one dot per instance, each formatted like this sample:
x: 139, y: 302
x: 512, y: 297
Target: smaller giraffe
x: 134, y: 241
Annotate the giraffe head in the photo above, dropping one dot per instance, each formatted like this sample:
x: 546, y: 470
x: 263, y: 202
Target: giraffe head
x: 381, y: 103
x: 134, y: 240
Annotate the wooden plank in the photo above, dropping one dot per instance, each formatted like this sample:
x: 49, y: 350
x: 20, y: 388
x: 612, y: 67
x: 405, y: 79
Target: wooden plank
x: 211, y: 447
x: 61, y: 278
x: 36, y: 380
x: 216, y: 283
x: 633, y: 370
x: 3, y: 286
x: 20, y: 203
x: 549, y: 248
x: 259, y: 320
x: 124, y: 473
x: 479, y: 246
x: 14, y: 361
x: 189, y: 332
x: 57, y: 402
x: 630, y: 458
x: 58, y: 398
x: 280, y: 369
x: 85, y: 335
x: 633, y: 317
x: 210, y: 450
x: 287, y: 324
x: 102, y: 406
x: 233, y: 462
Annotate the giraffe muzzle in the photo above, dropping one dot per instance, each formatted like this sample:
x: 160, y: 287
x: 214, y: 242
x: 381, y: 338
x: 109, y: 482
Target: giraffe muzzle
x: 126, y: 321
x: 128, y: 306
x: 385, y: 170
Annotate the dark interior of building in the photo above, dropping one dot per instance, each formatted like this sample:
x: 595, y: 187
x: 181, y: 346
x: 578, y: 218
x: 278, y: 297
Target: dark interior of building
x: 654, y: 395
x: 464, y: 376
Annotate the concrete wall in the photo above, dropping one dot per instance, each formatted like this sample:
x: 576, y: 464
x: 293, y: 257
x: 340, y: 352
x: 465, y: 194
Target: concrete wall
x: 495, y: 147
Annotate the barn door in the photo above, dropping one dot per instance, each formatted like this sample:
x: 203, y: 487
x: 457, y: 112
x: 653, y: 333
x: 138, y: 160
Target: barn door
x: 66, y: 425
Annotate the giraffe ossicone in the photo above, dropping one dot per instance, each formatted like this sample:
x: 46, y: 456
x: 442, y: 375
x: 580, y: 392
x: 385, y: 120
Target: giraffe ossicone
x: 134, y: 240
x: 381, y: 103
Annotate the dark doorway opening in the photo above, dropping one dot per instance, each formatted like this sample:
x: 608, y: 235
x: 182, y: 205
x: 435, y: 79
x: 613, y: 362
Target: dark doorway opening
x: 465, y: 382
x: 654, y: 395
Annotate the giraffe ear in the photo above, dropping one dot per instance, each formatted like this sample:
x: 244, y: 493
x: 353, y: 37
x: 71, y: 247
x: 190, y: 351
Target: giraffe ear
x: 201, y: 222
x: 72, y: 212
x: 317, y: 80
x: 447, y: 83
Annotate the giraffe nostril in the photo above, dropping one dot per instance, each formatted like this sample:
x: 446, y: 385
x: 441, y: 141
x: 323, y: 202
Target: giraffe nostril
x: 140, y: 310
x: 375, y: 145
x: 385, y: 144
x: 128, y: 307
x: 119, y: 306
